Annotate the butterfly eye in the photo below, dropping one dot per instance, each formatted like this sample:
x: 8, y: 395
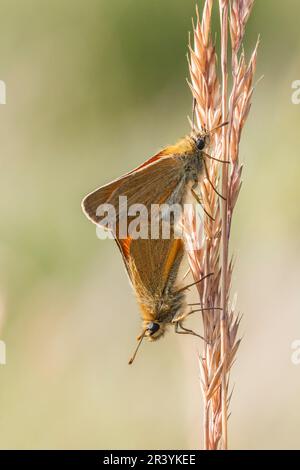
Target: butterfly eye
x: 200, y: 143
x: 153, y: 328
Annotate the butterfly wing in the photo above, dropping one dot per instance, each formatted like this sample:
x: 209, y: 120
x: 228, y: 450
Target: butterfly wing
x: 151, y: 183
x: 155, y: 264
x: 152, y: 267
x: 124, y: 247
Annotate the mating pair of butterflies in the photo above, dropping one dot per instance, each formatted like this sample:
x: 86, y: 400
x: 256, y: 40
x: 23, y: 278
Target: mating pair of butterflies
x: 153, y: 264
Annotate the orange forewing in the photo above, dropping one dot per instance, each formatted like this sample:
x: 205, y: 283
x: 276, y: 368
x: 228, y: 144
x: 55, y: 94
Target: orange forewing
x: 150, y: 183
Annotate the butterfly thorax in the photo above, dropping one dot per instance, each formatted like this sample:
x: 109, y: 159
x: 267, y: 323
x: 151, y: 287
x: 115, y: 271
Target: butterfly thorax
x: 187, y: 151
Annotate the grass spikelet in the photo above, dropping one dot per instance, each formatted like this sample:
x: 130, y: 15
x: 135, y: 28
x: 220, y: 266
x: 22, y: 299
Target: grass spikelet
x: 209, y: 252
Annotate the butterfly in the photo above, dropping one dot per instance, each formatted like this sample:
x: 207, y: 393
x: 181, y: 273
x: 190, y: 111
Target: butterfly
x: 162, y: 179
x: 152, y: 267
x: 153, y: 264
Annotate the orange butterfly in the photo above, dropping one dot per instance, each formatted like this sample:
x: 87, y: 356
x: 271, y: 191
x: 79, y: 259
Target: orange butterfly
x: 163, y: 179
x: 153, y: 266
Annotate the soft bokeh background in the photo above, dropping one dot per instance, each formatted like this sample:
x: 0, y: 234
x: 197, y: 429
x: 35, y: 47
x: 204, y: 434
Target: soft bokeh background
x: 93, y: 88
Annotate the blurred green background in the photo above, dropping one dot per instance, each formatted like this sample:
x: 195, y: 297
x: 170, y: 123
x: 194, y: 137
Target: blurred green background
x: 93, y: 88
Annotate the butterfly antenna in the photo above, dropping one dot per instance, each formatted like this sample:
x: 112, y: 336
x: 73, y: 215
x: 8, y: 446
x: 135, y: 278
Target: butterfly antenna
x: 197, y: 282
x: 193, y: 114
x: 140, y: 339
x: 217, y: 127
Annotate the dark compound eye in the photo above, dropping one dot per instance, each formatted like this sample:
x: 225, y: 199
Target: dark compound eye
x: 200, y: 143
x: 153, y: 328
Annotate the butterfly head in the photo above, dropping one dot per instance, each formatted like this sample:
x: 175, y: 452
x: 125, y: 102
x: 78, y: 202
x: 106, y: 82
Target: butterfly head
x: 201, y: 140
x: 153, y: 330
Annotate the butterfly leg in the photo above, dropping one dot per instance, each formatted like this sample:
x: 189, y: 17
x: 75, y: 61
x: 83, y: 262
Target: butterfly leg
x: 213, y: 158
x: 186, y: 331
x: 211, y: 183
x: 199, y: 200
